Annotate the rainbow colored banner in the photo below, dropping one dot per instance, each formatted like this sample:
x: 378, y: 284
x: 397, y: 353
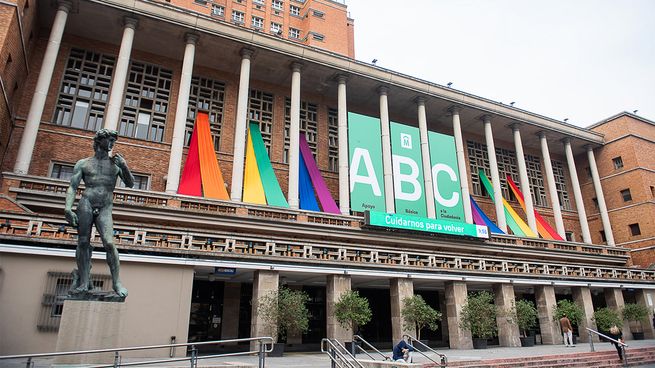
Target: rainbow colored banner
x: 481, y: 218
x: 201, y: 174
x: 260, y: 185
x: 311, y: 181
x: 543, y: 227
x: 514, y: 221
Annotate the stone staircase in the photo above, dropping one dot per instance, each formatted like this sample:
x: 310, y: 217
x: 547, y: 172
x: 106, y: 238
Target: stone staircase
x: 637, y: 357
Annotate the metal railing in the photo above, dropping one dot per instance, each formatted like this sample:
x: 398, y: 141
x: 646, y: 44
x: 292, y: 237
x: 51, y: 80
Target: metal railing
x: 413, y: 341
x: 357, y: 347
x: 624, y: 353
x: 340, y: 357
x: 265, y: 346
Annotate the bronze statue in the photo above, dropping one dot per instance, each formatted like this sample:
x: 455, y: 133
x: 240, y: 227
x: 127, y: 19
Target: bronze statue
x: 99, y: 173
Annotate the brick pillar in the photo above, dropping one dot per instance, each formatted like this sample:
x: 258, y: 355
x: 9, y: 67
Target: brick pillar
x: 456, y: 293
x: 263, y: 283
x: 231, y: 305
x: 336, y: 286
x: 508, y: 330
x: 645, y: 297
x: 614, y: 301
x: 400, y: 289
x: 582, y: 297
x: 545, y: 297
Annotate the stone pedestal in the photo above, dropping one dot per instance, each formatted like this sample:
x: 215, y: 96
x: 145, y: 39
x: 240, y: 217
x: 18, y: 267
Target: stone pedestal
x: 614, y: 301
x: 263, y: 283
x: 645, y: 297
x: 87, y: 325
x: 550, y: 331
x: 508, y: 331
x: 456, y: 293
x: 336, y: 286
x: 400, y: 289
x: 582, y: 297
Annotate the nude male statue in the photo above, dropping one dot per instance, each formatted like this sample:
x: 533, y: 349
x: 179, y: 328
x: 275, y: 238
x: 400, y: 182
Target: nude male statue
x: 99, y: 173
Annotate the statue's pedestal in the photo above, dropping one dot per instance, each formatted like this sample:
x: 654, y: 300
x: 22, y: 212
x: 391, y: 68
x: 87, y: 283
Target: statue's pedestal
x: 87, y: 325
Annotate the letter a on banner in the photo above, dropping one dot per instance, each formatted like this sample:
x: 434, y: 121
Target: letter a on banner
x: 445, y: 177
x: 365, y: 154
x: 407, y: 170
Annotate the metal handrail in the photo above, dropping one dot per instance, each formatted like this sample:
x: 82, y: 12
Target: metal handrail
x: 620, y: 343
x: 357, y: 337
x: 444, y: 360
x: 265, y: 346
x: 335, y: 350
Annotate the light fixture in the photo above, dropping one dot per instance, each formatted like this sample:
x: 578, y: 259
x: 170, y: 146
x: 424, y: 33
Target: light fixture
x: 566, y: 119
x: 512, y: 103
x: 374, y: 61
x: 449, y: 84
x: 634, y: 111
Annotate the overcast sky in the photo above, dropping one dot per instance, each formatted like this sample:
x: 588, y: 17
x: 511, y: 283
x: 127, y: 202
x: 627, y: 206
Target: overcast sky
x: 584, y: 60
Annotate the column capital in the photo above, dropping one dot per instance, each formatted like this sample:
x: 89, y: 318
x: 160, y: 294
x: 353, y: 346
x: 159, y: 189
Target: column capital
x: 589, y: 147
x: 420, y: 100
x: 486, y: 118
x: 130, y: 22
x: 297, y: 66
x: 341, y: 78
x: 383, y: 90
x: 65, y: 5
x: 566, y: 140
x: 191, y: 38
x: 246, y: 53
x: 454, y: 109
x: 541, y: 134
x: 514, y: 126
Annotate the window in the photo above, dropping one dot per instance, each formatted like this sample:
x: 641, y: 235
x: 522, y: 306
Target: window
x: 595, y: 200
x: 627, y: 196
x: 652, y: 191
x: 146, y: 102
x: 333, y: 140
x: 238, y: 16
x: 569, y: 236
x: 218, y: 11
x: 294, y: 10
x: 294, y: 33
x: 602, y: 236
x: 276, y: 28
x: 560, y: 184
x: 257, y: 22
x: 317, y: 13
x: 618, y: 162
x: 634, y: 229
x: 208, y: 95
x: 61, y: 171
x: 308, y: 126
x: 140, y: 182
x: 478, y: 159
x: 84, y: 90
x: 277, y: 4
x: 536, y: 180
x: 318, y: 36
x: 200, y: 2
x: 260, y: 109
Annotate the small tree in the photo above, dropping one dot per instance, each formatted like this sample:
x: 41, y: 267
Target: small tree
x: 418, y: 314
x: 573, y: 312
x: 635, y: 313
x: 479, y: 315
x: 284, y: 312
x: 605, y: 318
x: 526, y: 316
x: 352, y: 310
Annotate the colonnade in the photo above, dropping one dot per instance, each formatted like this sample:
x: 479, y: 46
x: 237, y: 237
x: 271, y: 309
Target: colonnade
x: 32, y: 123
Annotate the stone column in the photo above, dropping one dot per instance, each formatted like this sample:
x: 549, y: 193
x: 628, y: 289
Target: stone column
x: 582, y: 297
x: 181, y: 110
x: 508, y: 330
x: 462, y: 165
x: 525, y: 181
x: 495, y: 177
x: 344, y: 184
x: 645, y: 297
x: 552, y: 187
x: 400, y: 289
x: 387, y: 169
x: 231, y: 306
x: 545, y: 298
x: 263, y: 283
x: 336, y: 286
x: 240, y: 127
x: 113, y: 112
x: 577, y: 193
x: 614, y: 301
x: 456, y: 293
x: 604, y: 216
x: 444, y: 319
x: 28, y: 139
x: 425, y: 154
x: 294, y: 133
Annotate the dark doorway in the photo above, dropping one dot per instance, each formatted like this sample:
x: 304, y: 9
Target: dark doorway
x: 431, y: 297
x: 206, y: 311
x: 378, y: 330
x: 317, y: 319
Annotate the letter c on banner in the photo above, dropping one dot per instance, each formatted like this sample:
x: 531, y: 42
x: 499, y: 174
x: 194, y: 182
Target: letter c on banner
x: 446, y: 202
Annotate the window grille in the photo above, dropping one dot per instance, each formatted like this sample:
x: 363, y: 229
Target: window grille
x: 208, y: 95
x: 260, y: 110
x: 560, y: 184
x: 217, y: 10
x: 478, y: 159
x: 294, y: 33
x: 146, y: 102
x: 536, y: 179
x: 333, y: 140
x: 84, y: 91
x: 308, y: 126
x: 294, y: 10
x: 61, y: 171
x: 276, y: 4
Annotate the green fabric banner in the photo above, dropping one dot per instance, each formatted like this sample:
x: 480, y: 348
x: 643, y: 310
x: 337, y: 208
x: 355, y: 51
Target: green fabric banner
x: 365, y: 160
x: 445, y: 177
x: 408, y: 180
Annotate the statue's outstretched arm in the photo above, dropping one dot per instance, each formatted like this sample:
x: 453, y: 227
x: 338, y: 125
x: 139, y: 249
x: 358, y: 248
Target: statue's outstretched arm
x: 71, y: 216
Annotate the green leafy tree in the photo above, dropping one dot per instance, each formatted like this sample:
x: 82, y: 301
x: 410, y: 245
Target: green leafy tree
x: 417, y: 314
x: 635, y: 314
x: 285, y: 311
x: 573, y: 312
x: 526, y: 315
x: 479, y: 315
x: 352, y: 310
x: 605, y: 318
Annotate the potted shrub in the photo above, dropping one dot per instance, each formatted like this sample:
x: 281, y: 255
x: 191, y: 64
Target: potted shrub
x: 417, y: 314
x: 605, y: 318
x: 526, y: 319
x: 352, y: 310
x: 635, y: 314
x: 479, y: 316
x: 283, y: 312
x: 574, y: 312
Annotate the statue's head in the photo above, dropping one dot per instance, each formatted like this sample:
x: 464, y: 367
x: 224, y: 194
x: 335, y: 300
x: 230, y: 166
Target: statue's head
x: 104, y: 134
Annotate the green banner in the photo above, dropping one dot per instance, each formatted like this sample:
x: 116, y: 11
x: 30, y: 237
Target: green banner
x: 407, y: 170
x: 445, y: 178
x: 365, y: 160
x: 390, y: 220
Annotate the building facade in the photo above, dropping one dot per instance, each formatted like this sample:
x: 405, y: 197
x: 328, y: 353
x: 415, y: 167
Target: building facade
x: 195, y: 266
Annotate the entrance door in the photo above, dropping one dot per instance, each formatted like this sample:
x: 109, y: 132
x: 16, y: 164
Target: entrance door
x: 206, y: 311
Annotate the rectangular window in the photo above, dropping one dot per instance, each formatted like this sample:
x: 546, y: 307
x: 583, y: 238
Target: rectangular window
x: 260, y: 110
x: 61, y: 171
x: 602, y: 236
x: 218, y: 11
x: 569, y: 236
x: 208, y: 95
x: 140, y: 182
x: 257, y: 22
x: 308, y: 126
x: 560, y: 184
x: 634, y: 229
x: 277, y: 4
x: 276, y: 28
x: 333, y: 140
x: 317, y: 13
x: 238, y: 17
x: 294, y: 10
x: 595, y: 200
x: 618, y: 162
x: 200, y: 2
x: 478, y: 159
x: 652, y: 191
x: 318, y: 36
x: 294, y: 33
x: 536, y: 180
x: 627, y: 196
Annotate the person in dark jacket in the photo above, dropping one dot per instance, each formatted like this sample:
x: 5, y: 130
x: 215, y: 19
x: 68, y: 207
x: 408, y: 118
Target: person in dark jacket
x: 616, y: 334
x: 402, y: 352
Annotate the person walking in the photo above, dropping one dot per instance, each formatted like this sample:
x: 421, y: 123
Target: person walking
x: 616, y: 334
x: 567, y: 330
